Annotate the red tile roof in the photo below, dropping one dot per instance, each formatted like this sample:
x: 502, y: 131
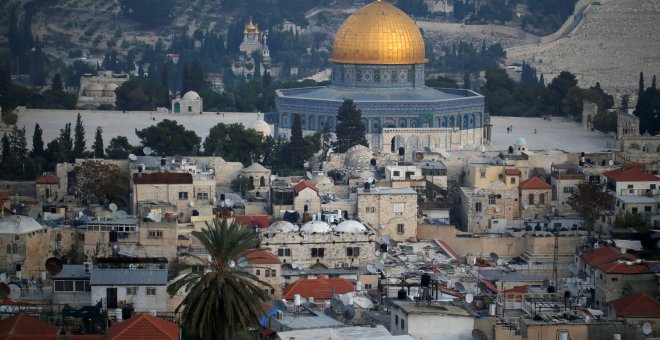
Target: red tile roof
x: 605, y: 255
x: 625, y: 268
x: 47, y: 179
x: 251, y: 221
x: 142, y: 327
x: 512, y: 172
x: 447, y: 249
x: 262, y: 257
x: 636, y: 306
x: 319, y: 288
x: 23, y: 326
x: 534, y: 183
x: 304, y: 184
x: 163, y: 178
x: 630, y: 175
x: 631, y: 165
x: 516, y: 292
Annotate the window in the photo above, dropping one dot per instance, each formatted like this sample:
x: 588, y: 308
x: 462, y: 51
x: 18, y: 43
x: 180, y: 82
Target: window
x: 81, y: 236
x: 272, y: 291
x: 513, y: 180
x: 403, y: 324
x: 72, y: 286
x: 400, y: 229
x: 568, y: 190
x: 398, y: 208
x: 396, y: 320
x: 492, y: 200
x: 367, y: 286
x: 614, y: 279
x: 531, y: 199
x: 284, y: 252
x: 151, y: 290
x: 634, y: 210
x: 477, y: 207
x: 370, y: 209
x: 183, y: 195
x: 647, y: 208
x: 273, y: 273
x: 353, y: 251
x: 396, y: 173
x: 258, y: 272
x: 131, y: 290
x: 267, y: 273
x: 541, y: 198
x: 318, y: 252
x: 630, y: 186
x: 155, y: 234
x: 202, y: 196
x: 482, y: 174
x: 501, y: 177
x: 189, y: 108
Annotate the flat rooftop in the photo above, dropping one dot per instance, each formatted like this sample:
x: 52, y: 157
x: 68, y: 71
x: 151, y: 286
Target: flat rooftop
x: 412, y: 307
x: 558, y: 133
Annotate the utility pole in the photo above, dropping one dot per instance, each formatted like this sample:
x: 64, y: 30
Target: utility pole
x: 555, y: 259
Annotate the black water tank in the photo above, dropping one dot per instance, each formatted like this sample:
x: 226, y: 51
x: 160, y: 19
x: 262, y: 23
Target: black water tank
x: 113, y: 236
x: 401, y: 295
x: 426, y: 280
x: 383, y: 247
x: 222, y: 197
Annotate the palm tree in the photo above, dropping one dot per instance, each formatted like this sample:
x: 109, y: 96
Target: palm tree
x: 226, y: 299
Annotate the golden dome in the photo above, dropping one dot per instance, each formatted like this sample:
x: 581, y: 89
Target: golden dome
x: 250, y: 26
x: 378, y: 34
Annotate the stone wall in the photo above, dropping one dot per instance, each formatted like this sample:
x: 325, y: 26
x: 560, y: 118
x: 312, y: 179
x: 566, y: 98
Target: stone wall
x: 377, y: 209
x: 537, y: 209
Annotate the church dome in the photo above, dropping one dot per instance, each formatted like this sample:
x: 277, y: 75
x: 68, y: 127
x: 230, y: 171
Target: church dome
x: 282, y: 227
x: 260, y: 125
x: 191, y: 95
x: 350, y: 226
x: 315, y: 227
x: 378, y: 34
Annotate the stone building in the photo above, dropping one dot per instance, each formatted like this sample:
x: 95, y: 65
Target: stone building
x: 564, y: 177
x: 390, y: 211
x: 190, y: 103
x: 306, y: 198
x: 99, y: 90
x: 129, y: 237
x: 489, y: 210
x: 318, y: 245
x: 267, y: 267
x: 24, y: 246
x: 617, y: 279
x: 190, y: 193
x: 47, y: 186
x: 259, y: 176
x: 482, y: 175
x: 378, y: 59
x: 535, y: 198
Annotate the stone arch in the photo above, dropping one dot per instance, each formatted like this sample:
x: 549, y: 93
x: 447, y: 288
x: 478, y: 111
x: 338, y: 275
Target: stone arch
x: 262, y: 181
x: 466, y: 121
x: 426, y: 141
x: 442, y: 122
x: 412, y: 123
x: 177, y: 107
x: 648, y: 147
x: 634, y: 146
x: 375, y: 125
x: 459, y: 122
x: 397, y: 142
x: 389, y: 123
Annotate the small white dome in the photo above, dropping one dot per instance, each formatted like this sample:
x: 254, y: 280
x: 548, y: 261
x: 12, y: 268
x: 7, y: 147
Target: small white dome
x: 191, y: 95
x: 282, y: 227
x: 315, y: 227
x: 358, y: 156
x: 521, y: 141
x: 17, y: 224
x: 350, y: 226
x: 260, y: 125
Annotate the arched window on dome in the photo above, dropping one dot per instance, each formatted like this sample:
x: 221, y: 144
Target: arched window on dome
x: 285, y: 120
x: 426, y: 123
x: 375, y: 125
x: 303, y: 121
x: 466, y: 121
x: 451, y: 122
x: 459, y: 121
x: 312, y: 122
x: 402, y: 123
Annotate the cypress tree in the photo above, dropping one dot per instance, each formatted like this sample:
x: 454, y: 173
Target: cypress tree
x: 37, y: 141
x: 66, y: 143
x: 350, y: 130
x: 466, y: 81
x: 57, y: 83
x: 297, y: 145
x: 98, y: 143
x: 653, y: 82
x: 79, y: 139
x: 641, y: 84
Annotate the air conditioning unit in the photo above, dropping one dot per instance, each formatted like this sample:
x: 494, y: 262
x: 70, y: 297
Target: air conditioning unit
x: 87, y: 267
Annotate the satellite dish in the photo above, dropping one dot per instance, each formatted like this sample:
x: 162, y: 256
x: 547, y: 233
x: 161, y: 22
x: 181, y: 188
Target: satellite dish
x: 147, y: 151
x: 192, y: 203
x: 15, y: 291
x: 525, y: 206
x: 309, y: 175
x: 498, y: 209
x: 294, y: 265
x: 611, y: 162
x: 494, y: 256
x: 132, y: 157
x: 380, y: 266
x: 371, y: 268
x: 459, y: 287
x: 469, y: 298
x: 119, y: 215
x: 54, y: 265
x: 647, y: 328
x: 113, y: 207
x: 348, y: 312
x: 478, y: 291
x: 4, y: 290
x: 329, y: 312
x: 501, y: 262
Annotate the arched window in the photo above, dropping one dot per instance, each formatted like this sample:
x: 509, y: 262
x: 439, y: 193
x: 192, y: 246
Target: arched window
x: 531, y: 199
x: 262, y: 181
x: 14, y: 248
x: 8, y: 248
x: 541, y: 198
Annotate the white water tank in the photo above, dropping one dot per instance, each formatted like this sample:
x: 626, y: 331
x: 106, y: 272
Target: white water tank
x: 118, y: 314
x: 297, y: 300
x: 358, y: 286
x: 492, y: 309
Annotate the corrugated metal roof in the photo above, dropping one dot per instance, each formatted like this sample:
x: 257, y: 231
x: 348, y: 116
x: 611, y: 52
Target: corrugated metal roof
x: 128, y: 277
